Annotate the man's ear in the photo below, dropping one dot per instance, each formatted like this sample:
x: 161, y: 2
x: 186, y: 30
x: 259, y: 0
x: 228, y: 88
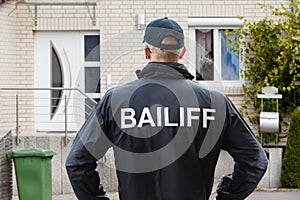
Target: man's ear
x: 182, y: 53
x: 147, y: 52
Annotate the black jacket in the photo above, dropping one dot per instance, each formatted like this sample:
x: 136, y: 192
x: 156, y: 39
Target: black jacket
x: 167, y: 132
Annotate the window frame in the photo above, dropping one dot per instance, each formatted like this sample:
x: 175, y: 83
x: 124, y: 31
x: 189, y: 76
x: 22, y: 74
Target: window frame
x: 55, y: 52
x: 215, y: 24
x: 86, y: 81
x: 87, y: 64
x: 84, y: 49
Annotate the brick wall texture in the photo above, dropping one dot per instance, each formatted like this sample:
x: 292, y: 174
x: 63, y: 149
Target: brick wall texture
x: 5, y: 166
x: 121, y: 42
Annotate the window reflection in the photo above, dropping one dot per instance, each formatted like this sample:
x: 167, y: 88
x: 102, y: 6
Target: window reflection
x: 205, y: 54
x: 229, y: 60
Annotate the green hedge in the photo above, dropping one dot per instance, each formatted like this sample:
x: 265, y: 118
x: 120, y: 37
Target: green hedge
x: 290, y: 176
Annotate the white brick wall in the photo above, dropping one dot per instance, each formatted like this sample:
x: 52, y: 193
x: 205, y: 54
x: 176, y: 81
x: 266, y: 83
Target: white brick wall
x: 121, y: 43
x: 7, y: 59
x: 24, y: 65
x: 5, y: 165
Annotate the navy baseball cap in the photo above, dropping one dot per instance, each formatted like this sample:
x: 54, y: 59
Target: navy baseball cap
x: 159, y: 29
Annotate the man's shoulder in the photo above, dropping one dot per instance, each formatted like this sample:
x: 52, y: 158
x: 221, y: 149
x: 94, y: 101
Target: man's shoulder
x: 120, y: 91
x: 206, y: 89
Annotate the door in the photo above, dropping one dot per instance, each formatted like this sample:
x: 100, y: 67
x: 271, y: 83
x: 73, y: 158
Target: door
x: 65, y: 60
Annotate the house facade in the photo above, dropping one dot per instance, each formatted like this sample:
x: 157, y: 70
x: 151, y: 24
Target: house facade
x: 96, y: 45
x: 64, y: 55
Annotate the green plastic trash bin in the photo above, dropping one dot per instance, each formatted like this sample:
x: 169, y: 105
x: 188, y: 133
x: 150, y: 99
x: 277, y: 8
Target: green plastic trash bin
x: 33, y: 173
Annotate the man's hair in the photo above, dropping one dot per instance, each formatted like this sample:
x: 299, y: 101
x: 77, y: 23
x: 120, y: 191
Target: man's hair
x: 171, y: 55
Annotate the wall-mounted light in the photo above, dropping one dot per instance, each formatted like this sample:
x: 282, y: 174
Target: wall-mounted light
x: 140, y: 21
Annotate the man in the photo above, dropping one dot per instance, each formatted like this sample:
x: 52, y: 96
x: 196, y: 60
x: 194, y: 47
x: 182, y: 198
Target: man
x: 166, y: 132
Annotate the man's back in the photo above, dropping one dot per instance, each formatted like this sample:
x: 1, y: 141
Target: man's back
x: 172, y: 130
x: 167, y: 132
x: 187, y: 177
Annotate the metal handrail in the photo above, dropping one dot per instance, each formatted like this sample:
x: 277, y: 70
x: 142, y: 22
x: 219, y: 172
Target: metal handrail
x: 51, y: 88
x: 44, y: 89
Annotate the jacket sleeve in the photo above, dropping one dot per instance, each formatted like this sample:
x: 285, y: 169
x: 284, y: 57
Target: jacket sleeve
x: 89, y: 145
x: 249, y: 157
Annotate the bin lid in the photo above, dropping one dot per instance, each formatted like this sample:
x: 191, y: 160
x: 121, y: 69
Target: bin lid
x: 36, y: 152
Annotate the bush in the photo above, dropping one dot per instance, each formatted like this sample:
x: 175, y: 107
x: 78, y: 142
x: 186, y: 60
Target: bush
x: 270, y: 52
x: 290, y: 176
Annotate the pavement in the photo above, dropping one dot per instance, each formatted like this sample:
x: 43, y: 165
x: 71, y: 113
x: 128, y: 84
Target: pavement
x: 260, y: 195
x: 275, y: 195
x: 112, y: 196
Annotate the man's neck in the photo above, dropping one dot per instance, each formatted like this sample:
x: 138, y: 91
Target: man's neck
x: 163, y: 60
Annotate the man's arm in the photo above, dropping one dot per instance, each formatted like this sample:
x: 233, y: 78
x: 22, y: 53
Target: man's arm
x: 249, y: 157
x: 90, y: 144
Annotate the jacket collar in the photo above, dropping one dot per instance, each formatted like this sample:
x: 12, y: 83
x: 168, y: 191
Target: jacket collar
x: 165, y: 70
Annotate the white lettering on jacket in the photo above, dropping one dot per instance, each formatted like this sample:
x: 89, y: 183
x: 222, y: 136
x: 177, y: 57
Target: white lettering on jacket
x: 187, y: 115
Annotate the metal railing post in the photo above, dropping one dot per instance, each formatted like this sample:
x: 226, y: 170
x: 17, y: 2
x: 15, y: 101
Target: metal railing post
x: 66, y: 121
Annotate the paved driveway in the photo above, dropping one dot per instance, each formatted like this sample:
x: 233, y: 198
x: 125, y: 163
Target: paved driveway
x: 294, y: 195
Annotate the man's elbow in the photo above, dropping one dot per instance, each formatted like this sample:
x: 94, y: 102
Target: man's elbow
x: 68, y: 164
x: 265, y: 165
x: 262, y: 164
x: 71, y: 163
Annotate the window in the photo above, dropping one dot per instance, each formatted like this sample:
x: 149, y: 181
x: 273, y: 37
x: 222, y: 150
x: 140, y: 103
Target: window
x: 92, y: 76
x: 56, y: 80
x: 92, y: 64
x: 92, y: 79
x: 212, y: 57
x: 91, y: 48
x: 230, y: 61
x: 204, y: 54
